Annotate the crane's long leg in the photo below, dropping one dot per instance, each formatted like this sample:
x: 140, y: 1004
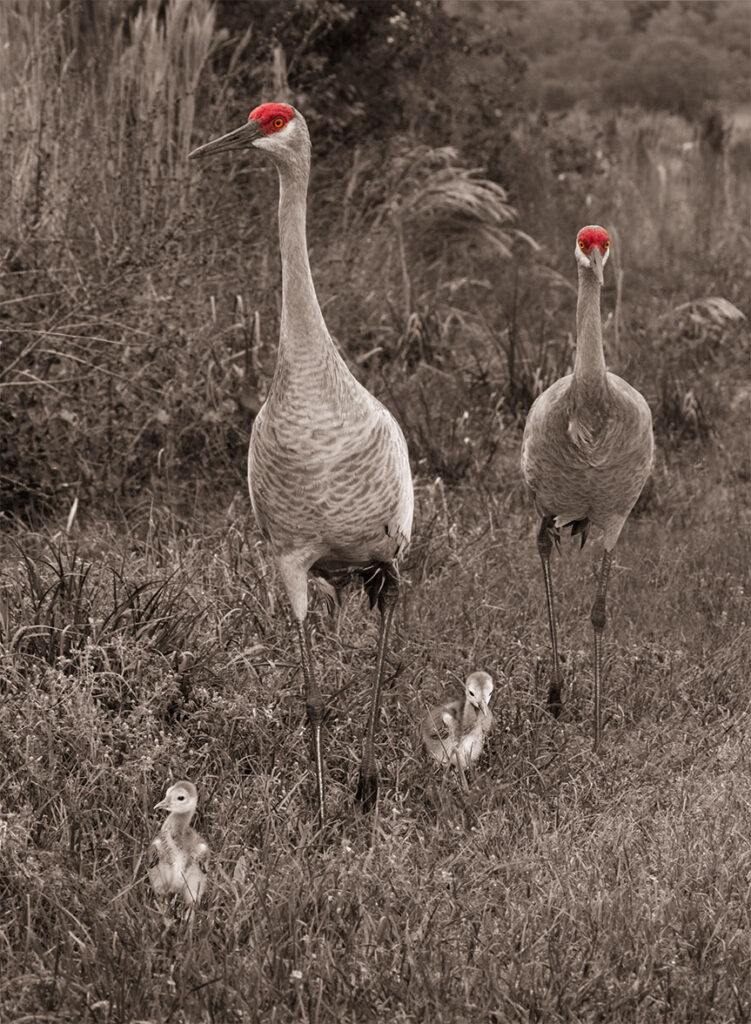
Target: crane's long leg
x: 294, y: 572
x: 314, y: 705
x: 367, y: 787
x: 598, y: 617
x: 544, y: 546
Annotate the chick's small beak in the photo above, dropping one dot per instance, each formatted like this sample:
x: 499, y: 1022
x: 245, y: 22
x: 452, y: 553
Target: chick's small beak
x: 161, y: 805
x: 595, y: 261
x: 240, y: 138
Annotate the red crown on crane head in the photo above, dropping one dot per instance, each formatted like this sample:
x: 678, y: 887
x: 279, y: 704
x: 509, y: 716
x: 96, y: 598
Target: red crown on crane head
x: 272, y: 117
x: 593, y: 235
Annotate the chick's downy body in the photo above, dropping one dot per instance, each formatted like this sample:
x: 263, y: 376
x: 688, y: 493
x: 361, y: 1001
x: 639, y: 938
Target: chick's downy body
x: 178, y: 848
x: 454, y: 732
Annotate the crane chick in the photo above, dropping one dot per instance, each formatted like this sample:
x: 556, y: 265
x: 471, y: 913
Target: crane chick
x: 454, y: 732
x: 178, y: 848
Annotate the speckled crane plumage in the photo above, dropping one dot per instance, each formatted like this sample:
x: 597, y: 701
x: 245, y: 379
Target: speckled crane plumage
x: 587, y: 450
x: 587, y: 467
x: 328, y: 467
x: 326, y: 470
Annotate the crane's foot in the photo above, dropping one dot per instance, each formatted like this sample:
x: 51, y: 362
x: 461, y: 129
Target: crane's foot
x: 367, y: 791
x: 554, y: 701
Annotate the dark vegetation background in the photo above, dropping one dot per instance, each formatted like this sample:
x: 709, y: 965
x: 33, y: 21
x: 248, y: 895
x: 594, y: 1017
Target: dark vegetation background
x: 457, y: 148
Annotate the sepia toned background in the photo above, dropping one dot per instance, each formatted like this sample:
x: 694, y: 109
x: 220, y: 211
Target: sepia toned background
x: 457, y: 149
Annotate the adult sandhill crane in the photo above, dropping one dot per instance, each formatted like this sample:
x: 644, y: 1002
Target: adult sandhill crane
x: 454, y: 731
x: 178, y: 848
x: 587, y: 452
x: 328, y: 467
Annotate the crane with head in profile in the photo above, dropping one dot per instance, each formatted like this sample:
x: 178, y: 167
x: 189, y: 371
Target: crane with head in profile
x: 587, y: 452
x: 328, y: 467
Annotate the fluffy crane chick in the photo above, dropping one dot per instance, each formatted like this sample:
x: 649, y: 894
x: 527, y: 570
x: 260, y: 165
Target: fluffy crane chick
x: 178, y: 848
x: 454, y: 732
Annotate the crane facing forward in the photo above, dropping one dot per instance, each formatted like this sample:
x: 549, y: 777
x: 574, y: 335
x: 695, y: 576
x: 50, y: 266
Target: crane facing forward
x: 587, y: 452
x: 328, y: 467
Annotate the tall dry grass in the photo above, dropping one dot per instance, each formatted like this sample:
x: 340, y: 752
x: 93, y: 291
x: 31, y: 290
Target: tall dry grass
x: 97, y: 116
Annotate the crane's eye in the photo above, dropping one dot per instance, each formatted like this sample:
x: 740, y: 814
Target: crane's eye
x: 607, y: 245
x: 278, y: 123
x: 581, y: 244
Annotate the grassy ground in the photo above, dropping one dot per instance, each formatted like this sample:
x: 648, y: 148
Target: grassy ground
x: 564, y: 886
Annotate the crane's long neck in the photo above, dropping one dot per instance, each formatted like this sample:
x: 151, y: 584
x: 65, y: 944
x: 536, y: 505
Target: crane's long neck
x: 304, y: 341
x: 589, y: 365
x: 590, y: 394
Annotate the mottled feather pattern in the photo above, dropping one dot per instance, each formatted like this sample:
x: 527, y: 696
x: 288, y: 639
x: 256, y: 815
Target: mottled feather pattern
x: 328, y: 468
x: 594, y: 472
x: 330, y: 477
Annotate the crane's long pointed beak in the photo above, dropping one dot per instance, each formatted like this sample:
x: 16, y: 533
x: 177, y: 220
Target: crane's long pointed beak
x: 595, y: 262
x: 240, y: 138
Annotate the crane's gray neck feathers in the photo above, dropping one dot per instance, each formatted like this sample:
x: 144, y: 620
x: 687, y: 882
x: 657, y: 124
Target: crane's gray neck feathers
x: 590, y: 393
x: 304, y: 341
x: 589, y: 364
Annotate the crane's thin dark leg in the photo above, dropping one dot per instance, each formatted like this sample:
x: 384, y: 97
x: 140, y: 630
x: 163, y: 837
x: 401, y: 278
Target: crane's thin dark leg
x: 314, y: 704
x: 598, y: 622
x: 367, y: 788
x: 544, y: 546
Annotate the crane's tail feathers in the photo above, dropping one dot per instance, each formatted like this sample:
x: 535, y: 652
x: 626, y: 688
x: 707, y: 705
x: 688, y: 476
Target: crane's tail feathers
x: 329, y: 590
x: 579, y: 527
x: 375, y: 579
